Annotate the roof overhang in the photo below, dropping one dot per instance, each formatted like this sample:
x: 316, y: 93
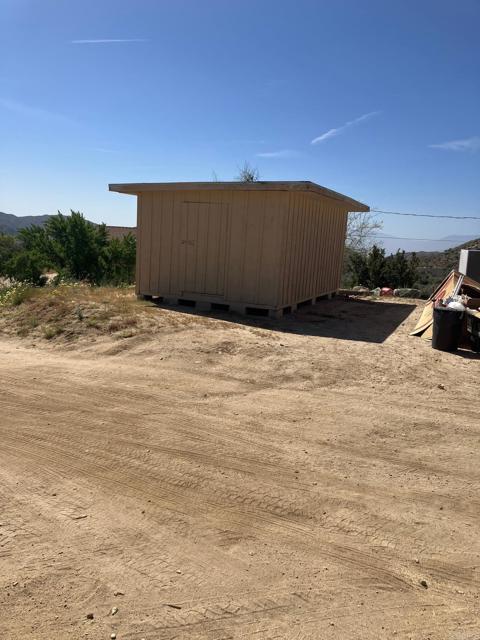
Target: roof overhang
x: 306, y: 186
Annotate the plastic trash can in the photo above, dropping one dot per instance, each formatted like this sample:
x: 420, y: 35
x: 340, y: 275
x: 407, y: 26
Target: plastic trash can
x: 447, y: 328
x: 473, y: 329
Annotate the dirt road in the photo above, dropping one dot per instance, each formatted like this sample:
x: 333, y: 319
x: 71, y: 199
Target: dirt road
x: 223, y: 480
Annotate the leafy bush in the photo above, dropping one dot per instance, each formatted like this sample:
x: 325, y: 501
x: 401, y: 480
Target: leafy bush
x: 119, y: 260
x: 374, y: 269
x: 26, y: 266
x: 69, y: 244
x: 9, y: 247
x: 75, y: 248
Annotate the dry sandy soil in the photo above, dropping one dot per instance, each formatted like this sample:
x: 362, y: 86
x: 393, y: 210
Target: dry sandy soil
x: 318, y: 478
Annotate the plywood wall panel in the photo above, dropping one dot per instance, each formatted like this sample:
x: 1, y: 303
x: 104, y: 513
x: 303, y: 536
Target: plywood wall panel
x: 315, y: 234
x: 164, y: 209
x: 267, y: 248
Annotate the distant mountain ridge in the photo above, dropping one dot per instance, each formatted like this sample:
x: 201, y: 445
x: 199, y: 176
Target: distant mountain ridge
x: 458, y: 240
x: 11, y: 224
x: 435, y: 265
x: 391, y: 244
x: 449, y: 257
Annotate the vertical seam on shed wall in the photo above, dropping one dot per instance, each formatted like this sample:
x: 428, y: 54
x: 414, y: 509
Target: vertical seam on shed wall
x: 305, y: 247
x: 221, y: 240
x: 294, y: 246
x: 150, y: 242
x: 207, y: 247
x: 229, y: 203
x: 326, y: 242
x: 313, y: 242
x: 279, y: 219
x: 157, y: 212
x: 170, y: 275
x: 169, y: 238
x: 139, y: 244
x: 325, y: 213
x: 194, y: 275
x: 318, y: 244
x: 147, y: 242
x: 342, y: 234
x: 312, y: 246
x: 282, y: 273
x: 261, y: 248
x: 245, y: 208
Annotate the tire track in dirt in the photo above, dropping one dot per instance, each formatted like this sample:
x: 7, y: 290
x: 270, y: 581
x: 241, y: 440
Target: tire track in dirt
x: 211, y: 518
x: 181, y: 503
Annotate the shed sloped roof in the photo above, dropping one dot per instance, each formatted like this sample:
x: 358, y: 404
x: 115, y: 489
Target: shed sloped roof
x: 311, y: 187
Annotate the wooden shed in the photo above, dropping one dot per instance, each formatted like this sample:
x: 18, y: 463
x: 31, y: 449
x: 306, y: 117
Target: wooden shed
x: 259, y: 247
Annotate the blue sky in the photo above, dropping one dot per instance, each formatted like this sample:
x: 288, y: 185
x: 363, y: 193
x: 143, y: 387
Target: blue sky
x: 379, y: 100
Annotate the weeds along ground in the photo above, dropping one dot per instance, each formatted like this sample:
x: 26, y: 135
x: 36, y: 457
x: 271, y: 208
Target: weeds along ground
x: 69, y: 311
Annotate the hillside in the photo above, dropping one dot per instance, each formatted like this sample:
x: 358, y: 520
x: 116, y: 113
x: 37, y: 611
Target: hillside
x: 12, y: 224
x: 435, y: 265
x: 437, y: 245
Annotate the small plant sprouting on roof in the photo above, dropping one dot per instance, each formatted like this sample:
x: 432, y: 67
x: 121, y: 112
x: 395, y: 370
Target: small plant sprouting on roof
x: 247, y: 173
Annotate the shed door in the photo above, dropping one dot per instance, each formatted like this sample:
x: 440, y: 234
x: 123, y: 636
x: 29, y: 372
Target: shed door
x: 204, y: 228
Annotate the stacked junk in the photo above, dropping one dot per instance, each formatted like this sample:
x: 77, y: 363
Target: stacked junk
x: 451, y: 317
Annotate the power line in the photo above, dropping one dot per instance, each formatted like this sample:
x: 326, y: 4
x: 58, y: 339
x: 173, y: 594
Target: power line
x: 425, y: 215
x: 400, y: 238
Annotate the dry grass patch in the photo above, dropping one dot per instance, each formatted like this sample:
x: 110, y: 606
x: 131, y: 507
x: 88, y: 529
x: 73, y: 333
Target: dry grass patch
x: 71, y: 311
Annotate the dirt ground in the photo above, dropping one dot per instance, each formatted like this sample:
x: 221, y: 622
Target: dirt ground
x: 315, y: 478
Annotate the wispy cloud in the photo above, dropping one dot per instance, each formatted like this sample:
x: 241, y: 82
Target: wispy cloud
x: 468, y: 144
x: 34, y: 112
x: 331, y: 133
x: 109, y: 40
x: 282, y: 153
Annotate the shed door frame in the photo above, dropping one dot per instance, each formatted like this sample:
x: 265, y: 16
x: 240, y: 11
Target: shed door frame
x: 204, y: 233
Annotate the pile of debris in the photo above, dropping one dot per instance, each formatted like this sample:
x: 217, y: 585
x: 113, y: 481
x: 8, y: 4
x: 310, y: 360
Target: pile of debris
x: 381, y: 291
x: 451, y: 317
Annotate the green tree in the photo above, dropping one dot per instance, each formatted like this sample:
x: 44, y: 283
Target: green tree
x: 73, y: 246
x: 26, y: 266
x: 9, y: 246
x: 70, y: 244
x: 119, y: 260
x: 414, y: 271
x: 357, y: 269
x: 401, y: 271
x: 374, y: 269
x: 377, y: 265
x: 360, y: 236
x: 397, y: 269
